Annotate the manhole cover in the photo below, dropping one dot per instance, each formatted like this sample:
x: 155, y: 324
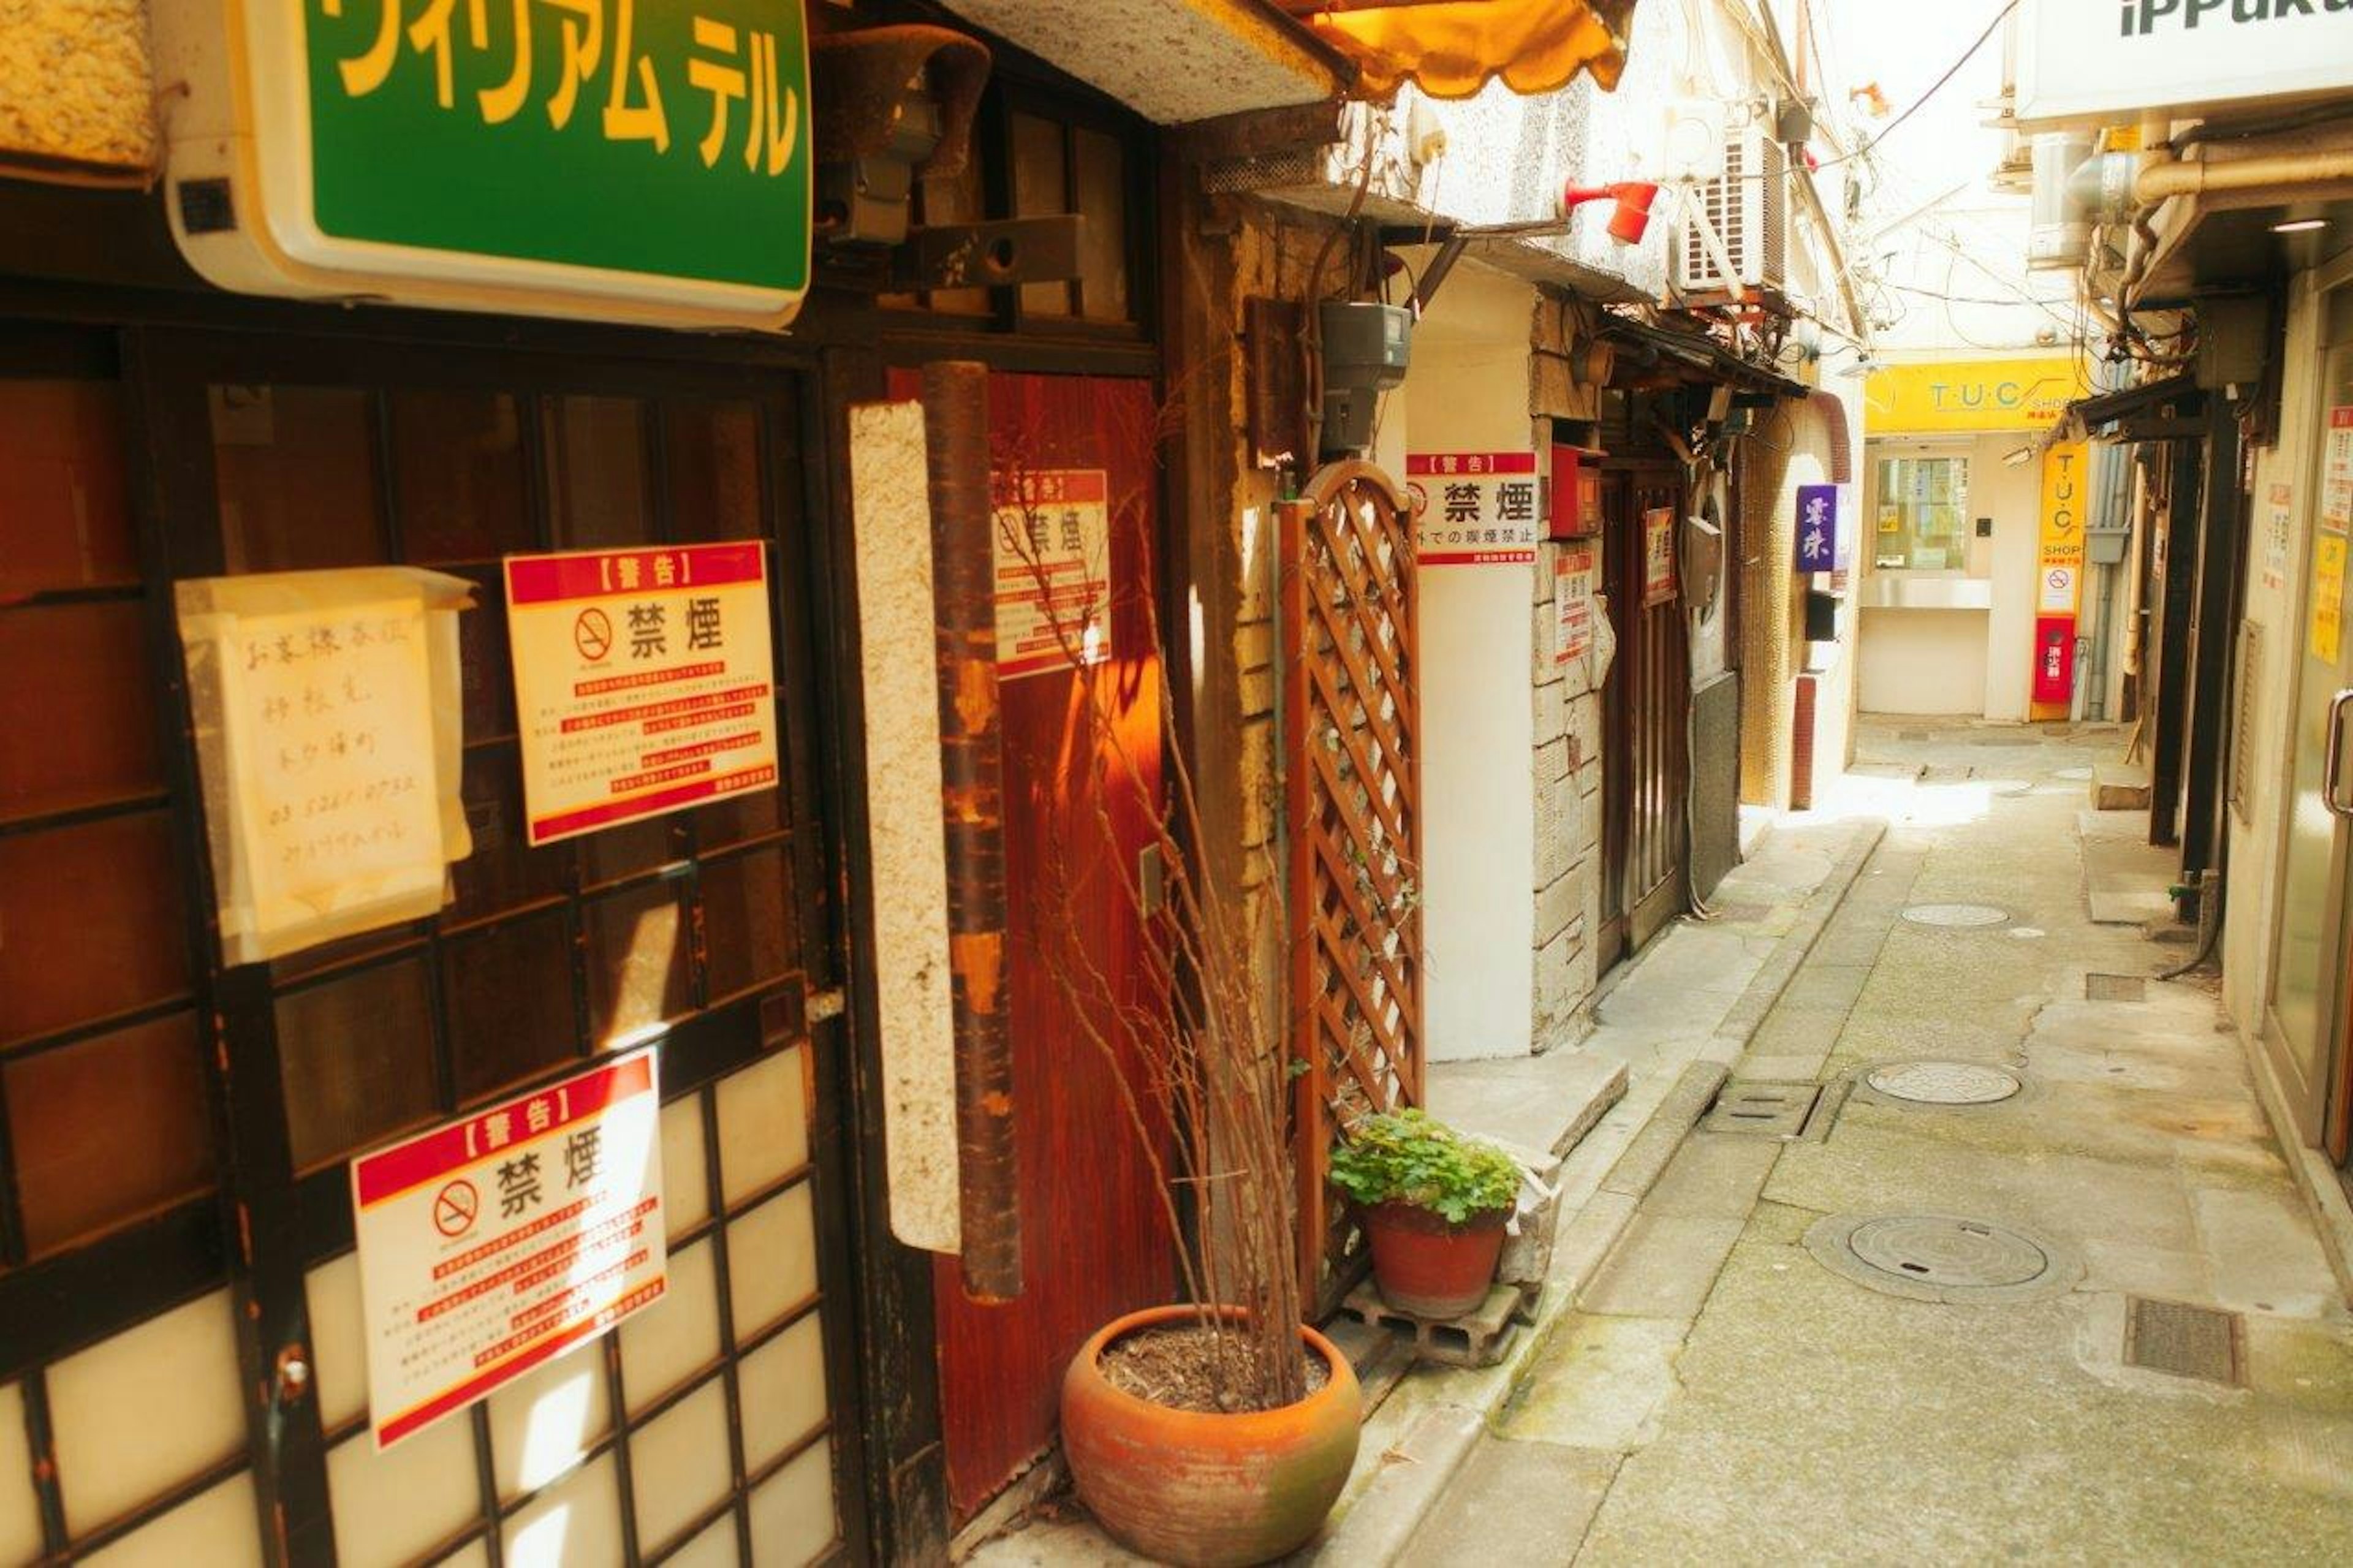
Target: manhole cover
x: 1942, y: 1257
x: 2075, y: 775
x: 1957, y: 915
x: 1943, y: 1083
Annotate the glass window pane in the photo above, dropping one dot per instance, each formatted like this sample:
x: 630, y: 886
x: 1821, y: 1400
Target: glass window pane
x: 356, y: 1054
x: 679, y: 1464
x: 91, y: 922
x: 667, y: 1346
x: 296, y: 470
x: 67, y: 523
x: 771, y: 1260
x: 113, y: 1451
x: 597, y: 484
x: 1924, y: 523
x: 613, y: 853
x: 1103, y: 244
x: 686, y: 1181
x: 88, y: 660
x: 763, y: 1125
x: 752, y: 815
x: 576, y: 1523
x: 108, y: 1129
x: 712, y: 457
x: 219, y: 1528
x: 509, y: 996
x: 20, y: 1507
x: 638, y: 969
x: 792, y: 1514
x: 545, y: 1424
x: 783, y: 1385
x: 747, y: 924
x: 458, y: 475
x: 338, y: 1338
x: 485, y: 680
x: 391, y: 1506
x: 503, y: 871
x: 1039, y: 188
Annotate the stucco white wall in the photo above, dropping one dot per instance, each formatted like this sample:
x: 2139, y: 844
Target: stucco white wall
x: 1467, y: 391
x: 1923, y: 661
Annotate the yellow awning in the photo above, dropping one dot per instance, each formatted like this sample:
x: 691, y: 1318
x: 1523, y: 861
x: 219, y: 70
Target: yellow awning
x: 1450, y: 48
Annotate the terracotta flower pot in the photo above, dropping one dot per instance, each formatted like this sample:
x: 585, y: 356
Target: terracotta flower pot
x: 1428, y: 1267
x: 1206, y: 1490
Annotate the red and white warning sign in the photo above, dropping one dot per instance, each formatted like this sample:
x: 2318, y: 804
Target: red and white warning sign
x: 492, y: 1244
x: 643, y: 681
x: 1053, y: 570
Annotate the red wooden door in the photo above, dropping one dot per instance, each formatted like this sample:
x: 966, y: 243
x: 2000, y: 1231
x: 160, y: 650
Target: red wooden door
x: 1081, y: 786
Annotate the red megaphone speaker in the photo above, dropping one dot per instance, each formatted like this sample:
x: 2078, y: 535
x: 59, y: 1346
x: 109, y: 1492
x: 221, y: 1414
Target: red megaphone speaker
x: 1632, y: 215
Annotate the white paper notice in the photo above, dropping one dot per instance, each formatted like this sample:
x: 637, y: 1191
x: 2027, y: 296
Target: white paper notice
x: 643, y: 682
x: 492, y: 1245
x: 327, y: 730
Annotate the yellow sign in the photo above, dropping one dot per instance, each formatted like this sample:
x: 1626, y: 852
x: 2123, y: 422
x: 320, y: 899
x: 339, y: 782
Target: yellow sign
x: 2066, y: 469
x: 2328, y: 596
x: 1971, y: 394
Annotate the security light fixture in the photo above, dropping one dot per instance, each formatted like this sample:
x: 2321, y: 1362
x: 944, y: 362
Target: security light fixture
x: 2299, y: 225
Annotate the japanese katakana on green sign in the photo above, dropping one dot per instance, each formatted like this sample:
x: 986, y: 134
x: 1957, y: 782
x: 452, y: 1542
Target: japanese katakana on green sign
x: 661, y: 138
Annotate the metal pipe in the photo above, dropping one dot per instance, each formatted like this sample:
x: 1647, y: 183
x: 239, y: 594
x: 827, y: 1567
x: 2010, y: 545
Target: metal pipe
x: 2197, y: 176
x: 972, y: 801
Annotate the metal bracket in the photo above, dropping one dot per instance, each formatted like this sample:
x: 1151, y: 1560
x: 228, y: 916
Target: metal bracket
x: 990, y: 254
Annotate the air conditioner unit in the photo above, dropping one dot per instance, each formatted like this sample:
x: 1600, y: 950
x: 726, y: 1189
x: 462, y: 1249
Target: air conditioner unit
x: 1747, y: 206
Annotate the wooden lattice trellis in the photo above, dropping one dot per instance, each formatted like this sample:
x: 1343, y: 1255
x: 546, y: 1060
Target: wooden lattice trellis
x: 1353, y: 764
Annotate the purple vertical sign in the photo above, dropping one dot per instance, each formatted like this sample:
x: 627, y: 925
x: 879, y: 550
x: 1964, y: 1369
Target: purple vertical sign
x: 1817, y: 527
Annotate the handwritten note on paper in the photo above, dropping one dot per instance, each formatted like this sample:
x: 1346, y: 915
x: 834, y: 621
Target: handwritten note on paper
x: 328, y: 735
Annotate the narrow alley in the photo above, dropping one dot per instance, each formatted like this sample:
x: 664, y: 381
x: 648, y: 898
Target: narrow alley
x: 2085, y: 1317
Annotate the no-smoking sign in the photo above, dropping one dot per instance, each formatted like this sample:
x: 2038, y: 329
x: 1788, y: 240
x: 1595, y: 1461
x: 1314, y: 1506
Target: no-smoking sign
x: 454, y: 1208
x: 591, y: 634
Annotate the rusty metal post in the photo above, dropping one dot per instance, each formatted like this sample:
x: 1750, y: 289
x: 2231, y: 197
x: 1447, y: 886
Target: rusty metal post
x: 963, y: 576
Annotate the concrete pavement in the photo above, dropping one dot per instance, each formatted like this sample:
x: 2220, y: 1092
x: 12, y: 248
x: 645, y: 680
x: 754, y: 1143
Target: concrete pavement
x: 1718, y: 1394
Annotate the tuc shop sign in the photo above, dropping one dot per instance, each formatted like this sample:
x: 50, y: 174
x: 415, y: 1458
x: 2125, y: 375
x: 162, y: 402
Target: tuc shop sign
x: 635, y: 159
x: 1972, y: 394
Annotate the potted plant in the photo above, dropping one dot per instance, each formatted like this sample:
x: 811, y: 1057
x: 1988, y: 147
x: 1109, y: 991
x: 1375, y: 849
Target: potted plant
x: 1220, y: 1430
x: 1434, y: 1206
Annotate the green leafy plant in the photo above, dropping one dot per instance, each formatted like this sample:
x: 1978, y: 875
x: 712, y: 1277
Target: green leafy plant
x: 1412, y: 1157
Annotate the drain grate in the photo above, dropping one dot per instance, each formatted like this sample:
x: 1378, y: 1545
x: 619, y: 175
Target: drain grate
x: 2182, y: 1340
x: 1944, y: 1083
x: 2115, y: 988
x: 1762, y: 1110
x: 1942, y: 1257
x: 1956, y: 916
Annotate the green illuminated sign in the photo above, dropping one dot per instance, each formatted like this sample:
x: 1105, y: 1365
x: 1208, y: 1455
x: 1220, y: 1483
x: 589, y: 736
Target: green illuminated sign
x: 664, y: 139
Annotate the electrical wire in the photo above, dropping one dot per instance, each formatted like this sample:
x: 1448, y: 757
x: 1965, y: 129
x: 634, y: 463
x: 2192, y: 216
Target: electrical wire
x: 1950, y: 73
